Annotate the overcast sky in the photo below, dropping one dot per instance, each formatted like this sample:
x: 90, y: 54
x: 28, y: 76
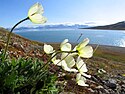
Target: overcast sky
x: 93, y: 12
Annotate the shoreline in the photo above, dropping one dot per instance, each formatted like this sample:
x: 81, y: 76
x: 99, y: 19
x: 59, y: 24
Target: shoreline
x: 101, y: 29
x: 105, y: 47
x: 111, y: 48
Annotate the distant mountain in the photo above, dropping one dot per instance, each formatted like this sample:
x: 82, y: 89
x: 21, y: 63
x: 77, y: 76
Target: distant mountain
x: 60, y: 26
x: 116, y: 26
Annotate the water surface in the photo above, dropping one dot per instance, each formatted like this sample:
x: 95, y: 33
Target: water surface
x: 102, y: 37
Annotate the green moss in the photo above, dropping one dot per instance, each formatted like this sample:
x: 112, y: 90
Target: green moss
x: 111, y: 56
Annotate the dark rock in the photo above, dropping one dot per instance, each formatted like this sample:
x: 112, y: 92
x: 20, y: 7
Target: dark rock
x: 111, y: 85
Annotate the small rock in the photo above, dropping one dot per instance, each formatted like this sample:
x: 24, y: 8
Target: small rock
x: 112, y: 81
x: 123, y: 81
x: 99, y: 87
x: 123, y: 86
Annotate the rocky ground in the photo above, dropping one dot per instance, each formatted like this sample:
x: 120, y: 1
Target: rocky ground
x: 111, y: 59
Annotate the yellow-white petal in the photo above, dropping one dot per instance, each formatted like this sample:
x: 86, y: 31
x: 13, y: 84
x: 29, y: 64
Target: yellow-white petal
x: 57, y: 62
x: 78, y: 76
x: 66, y: 68
x: 86, y: 52
x: 81, y: 80
x: 82, y: 83
x: 82, y: 44
x: 81, y: 65
x: 65, y: 46
x: 65, y: 41
x: 64, y: 55
x: 48, y: 49
x: 36, y: 9
x: 70, y: 61
x: 86, y: 75
x: 38, y: 19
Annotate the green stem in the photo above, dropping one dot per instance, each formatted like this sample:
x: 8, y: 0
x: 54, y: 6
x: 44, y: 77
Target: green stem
x: 9, y: 35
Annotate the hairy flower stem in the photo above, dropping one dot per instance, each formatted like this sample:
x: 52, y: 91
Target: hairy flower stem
x: 9, y: 35
x: 79, y: 37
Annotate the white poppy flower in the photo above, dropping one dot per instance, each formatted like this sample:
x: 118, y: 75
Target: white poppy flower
x: 66, y: 61
x: 65, y: 46
x: 48, y: 49
x: 35, y: 14
x: 82, y: 67
x: 83, y: 50
x: 66, y: 68
x: 81, y: 80
x: 70, y: 61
